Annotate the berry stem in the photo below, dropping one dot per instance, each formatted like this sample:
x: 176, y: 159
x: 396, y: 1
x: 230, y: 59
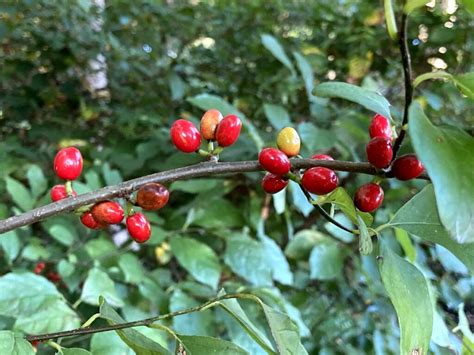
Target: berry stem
x: 68, y: 186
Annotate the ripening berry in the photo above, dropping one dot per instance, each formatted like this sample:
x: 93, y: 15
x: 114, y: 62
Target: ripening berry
x: 379, y: 152
x: 53, y: 276
x: 289, y: 142
x: 407, y: 167
x: 68, y: 163
x: 88, y: 220
x: 319, y: 180
x: 380, y: 127
x: 273, y: 183
x: 209, y: 122
x: 274, y: 161
x: 152, y: 196
x: 185, y: 136
x: 368, y: 197
x: 138, y: 227
x: 107, y: 212
x: 322, y: 157
x: 39, y: 267
x: 58, y: 192
x: 228, y: 130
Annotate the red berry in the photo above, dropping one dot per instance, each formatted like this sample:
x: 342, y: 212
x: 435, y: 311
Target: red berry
x: 228, y: 130
x: 368, y: 197
x: 34, y: 343
x: 152, y: 196
x: 185, y: 136
x: 322, y: 157
x: 58, y: 192
x: 139, y: 227
x: 380, y: 127
x: 273, y: 183
x: 107, y: 212
x: 53, y: 276
x: 274, y: 161
x: 379, y: 152
x: 68, y: 163
x: 209, y: 122
x: 407, y: 167
x: 319, y: 180
x: 88, y: 220
x: 39, y: 267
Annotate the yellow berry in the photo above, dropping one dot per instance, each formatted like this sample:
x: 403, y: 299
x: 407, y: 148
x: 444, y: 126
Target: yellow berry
x: 288, y: 141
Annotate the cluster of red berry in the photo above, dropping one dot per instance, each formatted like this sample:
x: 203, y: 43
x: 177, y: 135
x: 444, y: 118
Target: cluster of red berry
x: 379, y: 151
x: 52, y: 276
x: 317, y: 180
x: 214, y: 127
x: 150, y: 197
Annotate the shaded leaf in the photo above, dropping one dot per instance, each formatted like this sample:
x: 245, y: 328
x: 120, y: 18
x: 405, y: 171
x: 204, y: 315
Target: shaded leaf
x: 411, y: 5
x: 272, y: 44
x: 19, y: 194
x: 277, y: 116
x: 197, y: 345
x: 11, y: 344
x: 36, y: 180
x: 97, y: 284
x: 326, y: 260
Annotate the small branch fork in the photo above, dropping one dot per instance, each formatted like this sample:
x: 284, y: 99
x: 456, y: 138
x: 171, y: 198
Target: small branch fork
x: 194, y: 171
x: 407, y: 71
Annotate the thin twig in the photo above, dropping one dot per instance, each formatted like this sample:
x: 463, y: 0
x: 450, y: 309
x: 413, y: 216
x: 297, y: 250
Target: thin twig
x: 198, y: 170
x: 407, y: 72
x: 138, y: 323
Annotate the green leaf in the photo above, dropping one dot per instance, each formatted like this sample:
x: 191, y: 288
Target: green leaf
x: 233, y: 308
x: 365, y: 241
x: 109, y: 343
x: 369, y: 99
x: 469, y: 4
x: 177, y: 86
x: 390, y: 19
x: 419, y: 217
x: 75, y: 351
x: 131, y: 268
x: 198, y: 259
x: 196, y: 323
x: 61, y: 230
x: 229, y: 215
x: 10, y: 244
x: 284, y: 331
x: 326, y: 260
x: 407, y: 288
x: 197, y: 345
x: 465, y: 83
x: 302, y: 243
x: 37, y: 181
x: 306, y: 72
x: 277, y: 116
x: 141, y: 344
x: 35, y: 303
x: 279, y: 201
x: 344, y: 202
x: 463, y: 324
x: 207, y: 102
x: 272, y: 44
x: 247, y: 258
x: 315, y: 138
x: 448, y: 159
x: 97, y: 284
x: 196, y: 186
x: 11, y: 344
x: 19, y: 194
x: 406, y: 244
x: 411, y: 5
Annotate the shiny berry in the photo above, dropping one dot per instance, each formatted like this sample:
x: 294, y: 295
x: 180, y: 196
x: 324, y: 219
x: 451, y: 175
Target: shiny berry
x: 407, y: 167
x: 319, y: 180
x: 68, y: 163
x: 379, y: 152
x: 289, y: 142
x: 380, y: 127
x: 185, y: 136
x: 107, y: 212
x: 39, y: 267
x: 322, y: 157
x: 368, y: 197
x: 152, y: 196
x: 273, y: 183
x: 88, y: 220
x: 58, y: 192
x: 274, y: 161
x: 53, y: 276
x: 139, y: 227
x: 228, y: 130
x: 209, y: 122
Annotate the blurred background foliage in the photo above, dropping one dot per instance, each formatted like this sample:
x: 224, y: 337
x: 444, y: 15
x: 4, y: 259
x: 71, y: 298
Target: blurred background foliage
x: 112, y: 81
